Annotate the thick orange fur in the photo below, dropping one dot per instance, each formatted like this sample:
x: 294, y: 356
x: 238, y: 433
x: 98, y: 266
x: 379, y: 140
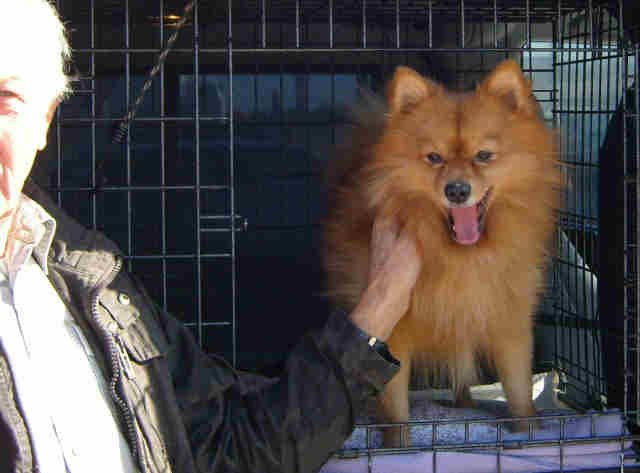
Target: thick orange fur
x: 471, y: 303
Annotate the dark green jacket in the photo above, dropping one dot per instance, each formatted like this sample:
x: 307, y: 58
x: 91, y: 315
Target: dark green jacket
x: 182, y: 410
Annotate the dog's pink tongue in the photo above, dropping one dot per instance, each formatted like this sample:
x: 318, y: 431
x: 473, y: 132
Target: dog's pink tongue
x: 465, y: 224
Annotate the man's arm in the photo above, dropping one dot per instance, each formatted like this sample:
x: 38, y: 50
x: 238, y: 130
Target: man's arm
x: 291, y: 424
x: 294, y: 423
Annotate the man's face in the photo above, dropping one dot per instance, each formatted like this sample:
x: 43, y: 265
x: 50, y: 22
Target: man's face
x: 24, y: 120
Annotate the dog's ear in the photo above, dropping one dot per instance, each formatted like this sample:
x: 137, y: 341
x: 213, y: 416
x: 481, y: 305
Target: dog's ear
x: 508, y: 83
x: 407, y: 89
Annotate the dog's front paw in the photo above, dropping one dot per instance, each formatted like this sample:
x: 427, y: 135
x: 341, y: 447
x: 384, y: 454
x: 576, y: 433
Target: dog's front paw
x: 524, y: 425
x: 396, y: 437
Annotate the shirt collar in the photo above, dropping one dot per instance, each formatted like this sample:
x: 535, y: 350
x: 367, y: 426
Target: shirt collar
x: 33, y: 228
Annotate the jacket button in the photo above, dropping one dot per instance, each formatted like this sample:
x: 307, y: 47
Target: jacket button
x: 124, y: 299
x: 112, y: 327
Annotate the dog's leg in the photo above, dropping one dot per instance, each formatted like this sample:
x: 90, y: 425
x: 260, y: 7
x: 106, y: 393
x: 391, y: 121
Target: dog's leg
x: 462, y: 398
x: 394, y: 401
x: 513, y: 362
x: 463, y: 375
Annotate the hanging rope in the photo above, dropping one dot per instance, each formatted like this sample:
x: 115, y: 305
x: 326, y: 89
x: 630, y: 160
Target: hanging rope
x: 121, y: 127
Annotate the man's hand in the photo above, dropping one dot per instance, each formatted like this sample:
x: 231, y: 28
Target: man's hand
x: 393, y: 271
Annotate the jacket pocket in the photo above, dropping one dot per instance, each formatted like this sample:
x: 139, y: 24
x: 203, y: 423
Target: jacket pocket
x: 135, y: 323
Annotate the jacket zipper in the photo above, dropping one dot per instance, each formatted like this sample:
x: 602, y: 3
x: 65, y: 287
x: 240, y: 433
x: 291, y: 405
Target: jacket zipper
x: 115, y: 355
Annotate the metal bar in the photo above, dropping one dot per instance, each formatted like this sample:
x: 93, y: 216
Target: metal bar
x: 364, y: 24
x: 562, y: 440
x: 136, y: 188
x: 603, y: 382
x: 196, y: 111
x: 434, y: 434
x: 59, y: 154
x: 260, y: 51
x: 590, y: 16
x: 625, y: 361
x: 499, y: 449
x: 585, y: 112
x: 397, y: 24
x: 163, y: 176
x: 92, y: 66
x: 264, y: 23
x: 435, y: 460
x: 443, y: 447
x: 232, y: 193
x: 178, y: 256
x: 556, y: 122
x: 218, y: 217
x: 482, y: 56
x: 637, y: 217
x: 583, y: 197
x: 595, y: 333
x: 430, y: 14
x: 573, y: 93
x: 368, y: 444
x: 501, y: 420
x: 127, y: 40
x: 495, y: 24
x: 330, y: 24
x: 332, y: 109
x: 528, y: 20
x: 210, y: 118
x: 58, y: 115
x: 208, y: 324
x: 462, y: 24
x: 551, y: 418
x: 560, y: 334
x: 297, y: 24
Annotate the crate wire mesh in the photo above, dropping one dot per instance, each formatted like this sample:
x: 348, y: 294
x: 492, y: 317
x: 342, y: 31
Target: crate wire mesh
x: 218, y: 181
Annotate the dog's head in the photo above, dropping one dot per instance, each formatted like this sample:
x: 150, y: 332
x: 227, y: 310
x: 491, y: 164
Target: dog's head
x: 465, y: 153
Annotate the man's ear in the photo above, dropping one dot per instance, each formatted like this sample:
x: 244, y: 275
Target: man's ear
x: 47, y: 122
x: 407, y: 89
x: 508, y: 83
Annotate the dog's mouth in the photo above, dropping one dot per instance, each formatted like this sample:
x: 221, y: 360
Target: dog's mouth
x: 466, y: 224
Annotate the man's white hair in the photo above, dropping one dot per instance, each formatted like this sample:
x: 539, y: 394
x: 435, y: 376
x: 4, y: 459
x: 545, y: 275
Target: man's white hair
x: 34, y: 44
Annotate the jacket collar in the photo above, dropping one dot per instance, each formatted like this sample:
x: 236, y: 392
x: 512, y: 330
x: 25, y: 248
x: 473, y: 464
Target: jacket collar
x: 87, y: 253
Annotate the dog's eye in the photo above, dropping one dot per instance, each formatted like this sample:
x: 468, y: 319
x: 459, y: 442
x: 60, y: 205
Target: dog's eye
x: 434, y: 158
x: 484, y: 156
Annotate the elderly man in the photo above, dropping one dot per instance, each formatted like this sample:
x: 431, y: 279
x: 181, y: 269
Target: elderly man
x: 94, y: 377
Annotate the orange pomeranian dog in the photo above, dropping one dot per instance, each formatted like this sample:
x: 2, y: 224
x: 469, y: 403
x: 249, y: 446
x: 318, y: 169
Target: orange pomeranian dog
x: 474, y: 178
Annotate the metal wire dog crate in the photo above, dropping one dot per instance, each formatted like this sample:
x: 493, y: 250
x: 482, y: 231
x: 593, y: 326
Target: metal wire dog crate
x: 215, y: 196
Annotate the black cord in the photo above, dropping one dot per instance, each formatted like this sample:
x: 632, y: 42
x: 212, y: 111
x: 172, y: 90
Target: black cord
x: 121, y: 127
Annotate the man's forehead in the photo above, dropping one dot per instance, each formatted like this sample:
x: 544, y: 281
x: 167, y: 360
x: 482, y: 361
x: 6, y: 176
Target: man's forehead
x: 20, y: 57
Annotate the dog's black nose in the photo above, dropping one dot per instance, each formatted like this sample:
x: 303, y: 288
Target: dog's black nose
x: 457, y: 191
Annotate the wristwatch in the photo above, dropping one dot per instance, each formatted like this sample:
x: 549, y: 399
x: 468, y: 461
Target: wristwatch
x: 382, y: 349
x: 374, y: 343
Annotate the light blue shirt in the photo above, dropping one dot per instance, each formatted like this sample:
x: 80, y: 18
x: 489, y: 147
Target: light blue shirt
x: 63, y: 394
